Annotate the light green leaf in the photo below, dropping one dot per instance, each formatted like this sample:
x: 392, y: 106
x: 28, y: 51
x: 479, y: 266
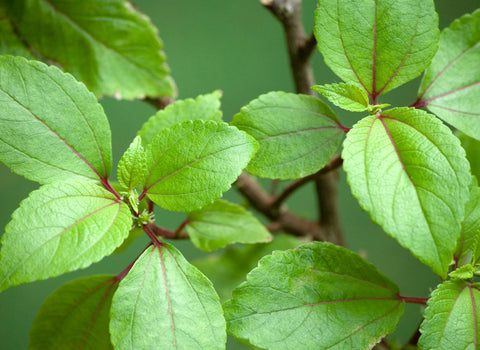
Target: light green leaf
x: 109, y: 45
x: 75, y: 316
x: 464, y: 272
x: 346, y: 96
x: 204, y: 107
x: 452, y: 317
x: 10, y: 43
x: 468, y: 246
x: 61, y: 227
x: 133, y: 165
x: 379, y: 44
x: 298, y: 134
x: 409, y: 172
x: 222, y: 223
x: 451, y: 85
x: 317, y: 296
x: 51, y: 127
x: 472, y: 147
x: 195, y: 162
x: 166, y: 303
x: 228, y: 269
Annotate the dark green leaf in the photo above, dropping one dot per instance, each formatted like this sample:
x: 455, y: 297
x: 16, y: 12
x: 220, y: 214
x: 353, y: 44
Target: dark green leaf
x: 10, y: 42
x: 468, y: 246
x: 51, y: 126
x: 410, y: 173
x: 379, y: 44
x: 204, y: 107
x: 166, y: 303
x: 318, y: 296
x: 61, y: 227
x: 452, y: 317
x: 107, y: 44
x: 222, y: 223
x: 451, y: 85
x: 346, y: 96
x: 75, y: 316
x: 298, y: 134
x: 472, y: 147
x: 228, y: 269
x: 132, y: 167
x: 195, y: 162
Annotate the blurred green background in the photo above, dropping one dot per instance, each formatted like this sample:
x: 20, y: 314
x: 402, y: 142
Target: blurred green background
x: 238, y: 47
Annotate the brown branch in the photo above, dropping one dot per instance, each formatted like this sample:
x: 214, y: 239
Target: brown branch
x: 289, y: 13
x: 290, y: 189
x: 165, y: 233
x: 282, y: 218
x: 300, y: 47
x: 159, y: 102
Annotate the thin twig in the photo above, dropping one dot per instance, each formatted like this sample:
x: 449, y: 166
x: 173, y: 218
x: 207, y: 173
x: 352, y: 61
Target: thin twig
x: 262, y: 202
x: 159, y: 102
x: 165, y: 233
x: 290, y: 189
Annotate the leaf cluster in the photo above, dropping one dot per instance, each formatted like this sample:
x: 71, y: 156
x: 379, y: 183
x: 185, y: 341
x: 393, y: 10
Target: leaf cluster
x: 407, y: 169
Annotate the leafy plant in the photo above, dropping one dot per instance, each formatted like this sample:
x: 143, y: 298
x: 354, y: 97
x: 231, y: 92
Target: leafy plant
x: 407, y: 169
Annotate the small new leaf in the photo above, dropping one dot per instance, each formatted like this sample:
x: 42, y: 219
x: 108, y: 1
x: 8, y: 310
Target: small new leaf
x: 397, y: 165
x: 452, y: 317
x: 451, y: 84
x: 298, y: 134
x: 166, y: 303
x: 59, y: 228
x: 222, y: 223
x: 75, y: 316
x: 346, y: 96
x: 464, y: 272
x: 51, y: 127
x: 204, y: 107
x: 132, y: 167
x: 193, y: 163
x: 318, y: 296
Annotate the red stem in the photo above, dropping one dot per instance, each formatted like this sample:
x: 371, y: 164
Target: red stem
x: 109, y: 188
x: 414, y: 300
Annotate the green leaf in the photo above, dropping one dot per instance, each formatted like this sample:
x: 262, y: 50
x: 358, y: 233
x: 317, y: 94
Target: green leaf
x: 451, y: 85
x: 59, y: 228
x: 298, y: 134
x: 133, y: 165
x: 195, y: 162
x: 166, y: 303
x: 409, y: 172
x: 10, y: 42
x: 204, y: 107
x: 75, y: 316
x: 51, y: 126
x: 346, y: 96
x: 228, y: 269
x: 472, y: 147
x: 222, y: 223
x: 318, y: 296
x: 468, y: 247
x: 379, y: 44
x: 452, y: 318
x: 109, y: 45
x: 464, y: 272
